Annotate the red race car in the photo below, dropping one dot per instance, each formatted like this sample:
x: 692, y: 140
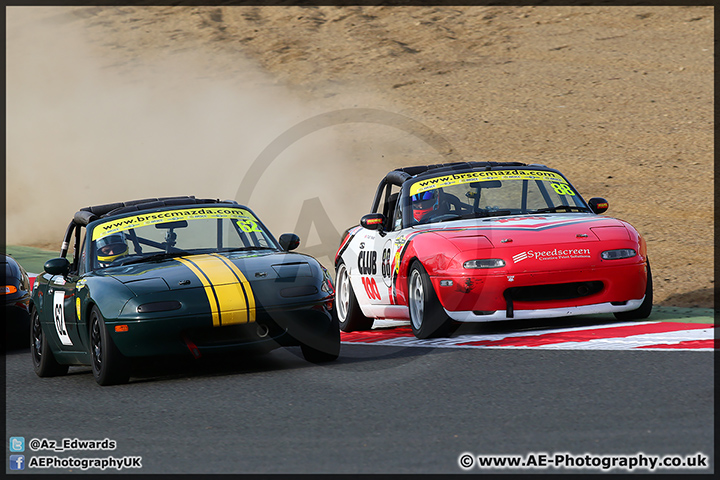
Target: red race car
x: 484, y: 241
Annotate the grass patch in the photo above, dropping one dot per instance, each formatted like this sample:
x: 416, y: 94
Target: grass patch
x: 31, y: 259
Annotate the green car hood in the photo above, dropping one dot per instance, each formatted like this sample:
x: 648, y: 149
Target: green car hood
x: 197, y: 271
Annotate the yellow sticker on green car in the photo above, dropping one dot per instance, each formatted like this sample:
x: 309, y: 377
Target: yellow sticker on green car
x: 228, y: 292
x: 136, y: 221
x: 248, y: 225
x: 484, y: 176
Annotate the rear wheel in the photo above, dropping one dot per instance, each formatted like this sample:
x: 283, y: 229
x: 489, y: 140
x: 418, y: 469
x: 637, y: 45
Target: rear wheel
x: 347, y: 310
x: 109, y: 366
x: 43, y: 359
x: 427, y: 316
x: 643, y: 311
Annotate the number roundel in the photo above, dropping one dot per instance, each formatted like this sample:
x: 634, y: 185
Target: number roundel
x: 59, y: 323
x: 385, y: 268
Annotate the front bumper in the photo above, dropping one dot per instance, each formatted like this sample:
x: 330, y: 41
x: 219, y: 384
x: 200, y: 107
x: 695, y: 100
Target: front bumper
x: 197, y: 336
x: 498, y: 296
x: 607, y: 307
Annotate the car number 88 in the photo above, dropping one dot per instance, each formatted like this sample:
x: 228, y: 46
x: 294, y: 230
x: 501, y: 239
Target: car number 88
x: 562, y: 189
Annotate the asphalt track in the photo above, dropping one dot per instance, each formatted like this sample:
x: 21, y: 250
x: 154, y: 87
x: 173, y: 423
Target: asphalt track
x: 395, y: 404
x: 378, y: 409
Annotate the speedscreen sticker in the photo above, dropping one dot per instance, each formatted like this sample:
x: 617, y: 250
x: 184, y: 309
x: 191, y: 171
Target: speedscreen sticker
x: 127, y: 223
x: 485, y: 176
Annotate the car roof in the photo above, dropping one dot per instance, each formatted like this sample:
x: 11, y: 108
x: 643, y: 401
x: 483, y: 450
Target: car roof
x: 406, y: 173
x: 89, y: 214
x: 401, y: 175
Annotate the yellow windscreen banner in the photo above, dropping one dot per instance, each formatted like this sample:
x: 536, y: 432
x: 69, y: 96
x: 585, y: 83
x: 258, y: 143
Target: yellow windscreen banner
x: 484, y: 176
x: 228, y: 291
x: 136, y: 221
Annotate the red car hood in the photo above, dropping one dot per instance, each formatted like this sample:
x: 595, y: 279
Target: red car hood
x: 527, y: 231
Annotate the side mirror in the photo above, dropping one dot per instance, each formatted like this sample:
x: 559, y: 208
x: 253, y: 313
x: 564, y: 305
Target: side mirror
x: 598, y: 205
x: 373, y: 221
x: 289, y: 241
x: 57, y: 266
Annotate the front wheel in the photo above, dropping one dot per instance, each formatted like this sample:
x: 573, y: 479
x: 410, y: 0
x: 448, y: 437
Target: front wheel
x: 347, y: 310
x: 427, y: 316
x: 643, y: 311
x: 44, y: 362
x: 109, y: 366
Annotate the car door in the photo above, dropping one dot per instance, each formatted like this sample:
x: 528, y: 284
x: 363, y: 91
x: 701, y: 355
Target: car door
x: 384, y: 251
x: 377, y: 262
x: 62, y: 292
x: 64, y: 318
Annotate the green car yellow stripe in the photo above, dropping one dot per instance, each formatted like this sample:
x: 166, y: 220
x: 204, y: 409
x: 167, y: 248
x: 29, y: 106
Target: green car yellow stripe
x: 228, y: 291
x: 244, y: 284
x: 212, y: 298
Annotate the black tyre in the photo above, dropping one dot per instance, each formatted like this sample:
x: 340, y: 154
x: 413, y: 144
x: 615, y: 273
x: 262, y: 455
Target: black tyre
x: 109, y: 366
x: 326, y: 348
x: 43, y: 359
x: 427, y: 316
x: 643, y: 311
x: 347, y: 310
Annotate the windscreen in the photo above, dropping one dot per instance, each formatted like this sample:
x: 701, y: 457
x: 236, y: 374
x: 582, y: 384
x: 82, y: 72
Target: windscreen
x: 490, y: 193
x: 177, y: 232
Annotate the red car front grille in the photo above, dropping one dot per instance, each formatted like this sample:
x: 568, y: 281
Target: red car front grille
x: 559, y: 291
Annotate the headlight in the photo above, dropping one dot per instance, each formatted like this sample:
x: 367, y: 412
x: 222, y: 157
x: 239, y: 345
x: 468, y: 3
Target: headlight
x: 618, y: 254
x: 485, y: 263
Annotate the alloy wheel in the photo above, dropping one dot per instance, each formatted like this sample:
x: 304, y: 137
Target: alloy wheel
x: 417, y: 299
x: 343, y: 293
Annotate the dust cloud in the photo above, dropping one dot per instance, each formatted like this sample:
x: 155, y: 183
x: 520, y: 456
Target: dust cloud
x: 85, y: 128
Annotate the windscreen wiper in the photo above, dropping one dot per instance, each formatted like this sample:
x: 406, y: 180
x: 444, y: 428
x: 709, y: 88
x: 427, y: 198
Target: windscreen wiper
x: 244, y: 249
x: 156, y: 257
x: 560, y: 207
x: 499, y: 213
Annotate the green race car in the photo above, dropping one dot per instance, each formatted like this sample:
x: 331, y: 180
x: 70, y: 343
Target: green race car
x: 175, y: 275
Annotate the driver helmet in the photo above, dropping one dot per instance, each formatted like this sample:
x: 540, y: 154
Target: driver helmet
x: 111, y: 248
x: 424, y: 203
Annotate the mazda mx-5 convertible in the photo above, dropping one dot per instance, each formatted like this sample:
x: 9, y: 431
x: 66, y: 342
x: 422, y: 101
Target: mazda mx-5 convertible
x: 484, y: 241
x: 175, y: 276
